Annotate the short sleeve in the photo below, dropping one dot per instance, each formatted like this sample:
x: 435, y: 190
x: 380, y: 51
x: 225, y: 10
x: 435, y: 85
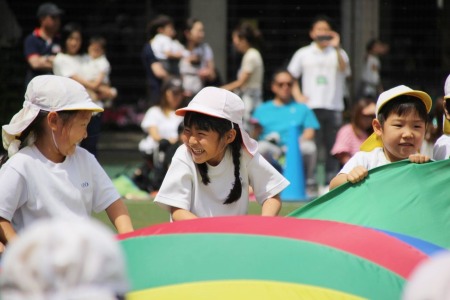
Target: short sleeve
x: 250, y: 62
x: 265, y: 180
x: 176, y: 189
x: 311, y: 119
x: 295, y: 65
x: 13, y: 192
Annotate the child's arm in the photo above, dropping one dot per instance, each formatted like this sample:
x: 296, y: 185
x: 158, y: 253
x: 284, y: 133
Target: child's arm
x: 7, y: 232
x: 356, y: 175
x: 271, y: 207
x: 179, y: 214
x: 419, y: 158
x: 118, y: 215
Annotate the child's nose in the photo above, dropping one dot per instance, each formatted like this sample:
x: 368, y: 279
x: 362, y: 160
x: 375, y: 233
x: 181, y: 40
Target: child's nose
x: 408, y: 133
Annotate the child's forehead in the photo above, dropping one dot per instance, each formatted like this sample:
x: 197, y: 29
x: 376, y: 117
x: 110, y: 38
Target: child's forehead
x: 404, y: 116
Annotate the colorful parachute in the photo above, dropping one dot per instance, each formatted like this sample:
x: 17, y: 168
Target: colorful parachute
x: 357, y: 242
x: 402, y: 197
x: 256, y: 257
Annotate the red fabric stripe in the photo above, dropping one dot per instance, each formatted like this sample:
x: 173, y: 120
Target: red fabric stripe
x: 375, y: 246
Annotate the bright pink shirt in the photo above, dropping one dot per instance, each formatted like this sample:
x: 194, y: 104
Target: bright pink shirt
x: 347, y: 141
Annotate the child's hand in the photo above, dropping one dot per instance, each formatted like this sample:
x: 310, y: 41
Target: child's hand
x: 357, y: 174
x: 418, y: 158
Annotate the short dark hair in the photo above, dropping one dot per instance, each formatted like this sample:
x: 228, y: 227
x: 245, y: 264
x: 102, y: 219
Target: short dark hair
x: 158, y: 22
x: 403, y: 105
x: 322, y: 18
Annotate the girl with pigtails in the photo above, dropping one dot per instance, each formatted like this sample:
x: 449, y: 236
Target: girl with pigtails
x: 45, y: 173
x: 212, y: 172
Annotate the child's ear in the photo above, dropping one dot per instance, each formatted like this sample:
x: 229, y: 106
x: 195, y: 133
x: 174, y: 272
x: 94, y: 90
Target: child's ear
x: 377, y: 128
x: 52, y: 120
x: 230, y: 136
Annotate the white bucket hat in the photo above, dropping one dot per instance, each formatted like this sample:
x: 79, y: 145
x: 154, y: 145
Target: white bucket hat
x: 48, y: 93
x: 430, y: 279
x: 374, y: 141
x: 71, y: 258
x: 220, y: 103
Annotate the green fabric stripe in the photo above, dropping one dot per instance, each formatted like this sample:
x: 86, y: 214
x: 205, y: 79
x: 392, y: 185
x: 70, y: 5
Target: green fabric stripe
x: 403, y: 197
x: 155, y: 261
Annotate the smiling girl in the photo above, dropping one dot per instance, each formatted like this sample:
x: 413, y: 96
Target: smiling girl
x: 211, y: 173
x: 45, y: 173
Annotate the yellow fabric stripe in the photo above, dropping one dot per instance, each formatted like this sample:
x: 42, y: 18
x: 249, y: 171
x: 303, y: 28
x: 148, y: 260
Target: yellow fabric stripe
x: 240, y: 289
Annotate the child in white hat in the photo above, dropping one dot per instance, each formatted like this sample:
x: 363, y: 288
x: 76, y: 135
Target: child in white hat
x: 399, y: 129
x: 211, y: 173
x: 45, y: 173
x: 58, y: 259
x: 441, y: 149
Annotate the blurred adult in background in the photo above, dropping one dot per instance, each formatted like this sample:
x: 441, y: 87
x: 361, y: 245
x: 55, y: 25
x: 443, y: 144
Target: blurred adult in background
x: 41, y: 46
x: 69, y: 63
x: 274, y: 119
x: 249, y: 83
x: 160, y: 125
x: 154, y: 69
x: 323, y: 67
x: 371, y: 85
x: 350, y: 136
x: 196, y: 68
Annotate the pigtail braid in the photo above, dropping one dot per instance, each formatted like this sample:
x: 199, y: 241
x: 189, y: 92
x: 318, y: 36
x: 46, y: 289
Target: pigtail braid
x: 203, y: 169
x: 236, y: 191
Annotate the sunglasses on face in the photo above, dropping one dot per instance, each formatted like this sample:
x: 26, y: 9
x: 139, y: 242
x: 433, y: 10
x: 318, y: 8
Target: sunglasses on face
x: 282, y: 84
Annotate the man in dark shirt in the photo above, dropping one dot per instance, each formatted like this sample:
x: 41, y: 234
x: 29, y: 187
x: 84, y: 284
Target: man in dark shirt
x: 41, y: 46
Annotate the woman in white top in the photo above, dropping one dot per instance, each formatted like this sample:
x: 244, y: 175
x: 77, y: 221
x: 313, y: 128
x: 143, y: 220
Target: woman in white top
x: 197, y: 67
x: 249, y: 83
x: 211, y: 173
x: 160, y: 124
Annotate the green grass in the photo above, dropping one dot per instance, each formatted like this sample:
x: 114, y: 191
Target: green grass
x: 147, y: 213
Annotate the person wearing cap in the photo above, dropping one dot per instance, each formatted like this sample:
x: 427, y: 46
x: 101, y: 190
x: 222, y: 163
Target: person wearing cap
x: 41, y: 46
x: 57, y: 259
x: 399, y: 126
x: 441, y: 149
x: 160, y: 125
x: 46, y: 174
x: 212, y: 172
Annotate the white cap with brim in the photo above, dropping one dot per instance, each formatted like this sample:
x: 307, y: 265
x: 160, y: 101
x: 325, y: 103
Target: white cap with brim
x: 220, y: 103
x: 374, y: 141
x: 447, y: 88
x: 47, y: 93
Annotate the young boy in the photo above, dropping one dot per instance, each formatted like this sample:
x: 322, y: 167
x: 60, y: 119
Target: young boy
x: 399, y: 129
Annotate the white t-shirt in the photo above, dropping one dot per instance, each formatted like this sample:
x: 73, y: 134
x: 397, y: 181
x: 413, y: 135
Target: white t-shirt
x: 183, y: 188
x: 321, y: 82
x: 32, y: 187
x: 167, y: 126
x: 368, y: 160
x: 441, y: 149
x: 189, y: 71
x: 161, y: 44
x: 67, y: 65
x: 252, y: 63
x: 91, y: 68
